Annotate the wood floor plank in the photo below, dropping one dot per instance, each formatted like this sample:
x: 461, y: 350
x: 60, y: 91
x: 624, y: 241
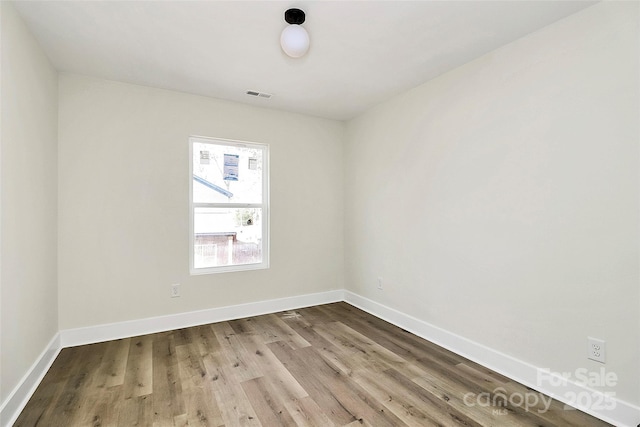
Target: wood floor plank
x: 307, y: 413
x: 555, y: 412
x: 323, y: 346
x: 353, y: 398
x: 329, y: 365
x: 103, y: 409
x: 275, y: 329
x: 457, y: 384
x: 485, y: 415
x: 136, y: 411
x: 61, y: 393
x: 364, y: 349
x: 112, y: 369
x: 41, y: 405
x: 198, y: 396
x: 435, y: 404
x: 190, y: 366
x: 234, y: 353
x: 316, y: 388
x: 267, y: 403
x: 317, y: 315
x: 65, y: 364
x: 543, y: 407
x: 180, y: 421
x: 241, y: 326
x: 406, y: 404
x: 201, y: 407
x: 271, y: 328
x: 76, y: 391
x: 384, y: 333
x: 283, y: 382
x: 359, y: 423
x: 205, y: 340
x: 182, y: 336
x: 368, y: 373
x: 230, y: 398
x: 138, y: 378
x: 168, y: 399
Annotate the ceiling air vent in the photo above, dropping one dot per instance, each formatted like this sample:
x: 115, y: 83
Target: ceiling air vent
x: 259, y: 94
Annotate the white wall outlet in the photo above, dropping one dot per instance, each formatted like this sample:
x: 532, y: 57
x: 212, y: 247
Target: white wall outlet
x: 596, y: 349
x: 175, y: 290
x: 380, y: 283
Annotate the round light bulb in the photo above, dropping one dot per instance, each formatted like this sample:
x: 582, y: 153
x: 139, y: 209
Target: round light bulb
x: 294, y: 41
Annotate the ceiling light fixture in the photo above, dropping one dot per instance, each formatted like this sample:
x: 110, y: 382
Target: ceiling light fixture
x: 294, y: 38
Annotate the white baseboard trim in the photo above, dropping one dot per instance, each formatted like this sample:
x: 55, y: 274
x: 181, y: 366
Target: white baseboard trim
x: 15, y: 403
x: 611, y: 410
x: 131, y: 328
x: 20, y: 395
x: 623, y: 414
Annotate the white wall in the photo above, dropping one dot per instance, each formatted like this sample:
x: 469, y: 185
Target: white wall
x: 500, y: 200
x: 124, y: 203
x: 28, y: 178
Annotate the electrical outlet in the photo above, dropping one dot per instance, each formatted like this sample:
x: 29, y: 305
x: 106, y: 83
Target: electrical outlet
x: 175, y: 290
x: 596, y: 349
x: 380, y: 283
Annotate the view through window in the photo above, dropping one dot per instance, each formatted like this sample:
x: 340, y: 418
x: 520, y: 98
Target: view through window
x: 229, y: 210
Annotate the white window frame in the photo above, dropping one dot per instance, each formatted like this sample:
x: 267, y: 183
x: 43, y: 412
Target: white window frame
x: 264, y: 206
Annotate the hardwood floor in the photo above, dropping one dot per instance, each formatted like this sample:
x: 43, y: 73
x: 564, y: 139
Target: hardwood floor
x: 330, y: 365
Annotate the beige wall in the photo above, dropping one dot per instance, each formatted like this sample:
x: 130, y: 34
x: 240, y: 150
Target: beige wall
x: 124, y: 203
x: 28, y: 178
x: 500, y: 200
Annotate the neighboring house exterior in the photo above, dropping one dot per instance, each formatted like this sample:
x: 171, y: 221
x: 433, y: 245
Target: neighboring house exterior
x: 222, y: 236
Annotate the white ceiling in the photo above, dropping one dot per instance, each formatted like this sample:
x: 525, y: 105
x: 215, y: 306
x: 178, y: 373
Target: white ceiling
x: 362, y: 52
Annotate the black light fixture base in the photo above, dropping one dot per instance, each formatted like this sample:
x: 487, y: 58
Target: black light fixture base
x: 294, y: 16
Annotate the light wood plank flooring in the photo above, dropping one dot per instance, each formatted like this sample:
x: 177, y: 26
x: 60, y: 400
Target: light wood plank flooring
x: 330, y: 365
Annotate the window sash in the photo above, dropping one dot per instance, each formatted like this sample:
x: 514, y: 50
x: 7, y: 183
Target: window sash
x: 229, y: 205
x: 263, y: 206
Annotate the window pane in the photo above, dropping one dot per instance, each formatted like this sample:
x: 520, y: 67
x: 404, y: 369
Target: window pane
x: 227, y: 237
x: 226, y: 174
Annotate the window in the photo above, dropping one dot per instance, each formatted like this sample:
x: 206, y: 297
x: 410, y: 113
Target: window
x: 229, y: 195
